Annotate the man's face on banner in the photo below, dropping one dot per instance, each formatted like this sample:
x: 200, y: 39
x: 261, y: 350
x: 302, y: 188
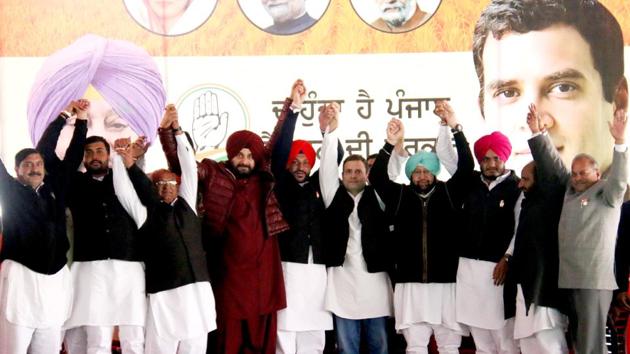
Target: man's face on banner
x: 552, y: 68
x: 284, y: 10
x: 102, y: 121
x: 396, y: 12
x: 167, y: 9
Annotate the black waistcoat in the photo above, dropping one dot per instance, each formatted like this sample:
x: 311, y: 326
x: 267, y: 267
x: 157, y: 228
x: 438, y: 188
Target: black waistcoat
x: 375, y: 233
x: 102, y: 227
x: 489, y: 219
x: 303, y: 208
x: 173, y: 251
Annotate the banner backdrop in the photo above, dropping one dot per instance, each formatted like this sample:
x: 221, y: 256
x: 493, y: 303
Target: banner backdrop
x: 221, y: 65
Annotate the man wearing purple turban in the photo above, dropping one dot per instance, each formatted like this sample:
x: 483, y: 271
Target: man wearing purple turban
x: 483, y: 301
x: 108, y: 274
x: 123, y: 74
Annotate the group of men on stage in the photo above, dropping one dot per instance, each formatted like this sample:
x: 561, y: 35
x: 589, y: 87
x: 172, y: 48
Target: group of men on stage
x: 272, y: 254
x: 288, y: 251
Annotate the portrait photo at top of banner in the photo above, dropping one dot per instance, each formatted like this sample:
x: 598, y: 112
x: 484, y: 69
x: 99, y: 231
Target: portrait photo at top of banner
x: 123, y: 74
x: 397, y: 16
x: 283, y: 17
x: 170, y: 18
x: 573, y: 73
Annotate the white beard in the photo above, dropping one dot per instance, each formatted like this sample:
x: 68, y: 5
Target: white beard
x: 401, y: 14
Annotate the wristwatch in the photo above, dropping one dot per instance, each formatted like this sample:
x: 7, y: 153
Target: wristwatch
x: 66, y: 114
x: 458, y: 128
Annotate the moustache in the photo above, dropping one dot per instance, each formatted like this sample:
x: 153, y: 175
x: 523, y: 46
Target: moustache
x: 34, y: 174
x: 395, y: 6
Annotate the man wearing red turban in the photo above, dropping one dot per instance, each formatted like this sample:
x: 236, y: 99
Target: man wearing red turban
x: 483, y: 301
x: 241, y: 220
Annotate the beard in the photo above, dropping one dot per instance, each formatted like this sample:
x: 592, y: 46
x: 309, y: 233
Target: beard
x: 493, y: 174
x: 401, y: 14
x: 96, y: 167
x: 490, y: 177
x: 300, y: 176
x: 242, y: 171
x: 420, y: 190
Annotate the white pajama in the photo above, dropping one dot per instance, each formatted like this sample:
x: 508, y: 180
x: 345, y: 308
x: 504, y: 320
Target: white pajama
x: 20, y: 340
x: 33, y: 308
x: 423, y: 308
x: 496, y: 341
x: 417, y: 337
x: 479, y: 304
x: 98, y: 339
x: 156, y: 344
x: 180, y: 317
x: 108, y: 293
x: 302, y: 324
x: 548, y: 341
x: 302, y: 342
x: 541, y: 330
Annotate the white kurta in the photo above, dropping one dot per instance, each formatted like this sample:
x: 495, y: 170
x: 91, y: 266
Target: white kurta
x: 192, y: 302
x: 108, y: 293
x: 352, y: 292
x: 355, y: 294
x: 305, y: 286
x: 538, y: 319
x: 32, y: 299
x: 479, y: 303
x: 432, y: 303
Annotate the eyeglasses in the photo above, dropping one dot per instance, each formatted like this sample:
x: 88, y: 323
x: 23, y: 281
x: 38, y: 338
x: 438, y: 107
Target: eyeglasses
x: 164, y: 183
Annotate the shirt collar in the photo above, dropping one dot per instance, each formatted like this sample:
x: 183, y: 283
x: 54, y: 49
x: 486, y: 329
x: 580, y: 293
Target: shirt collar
x: 494, y: 183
